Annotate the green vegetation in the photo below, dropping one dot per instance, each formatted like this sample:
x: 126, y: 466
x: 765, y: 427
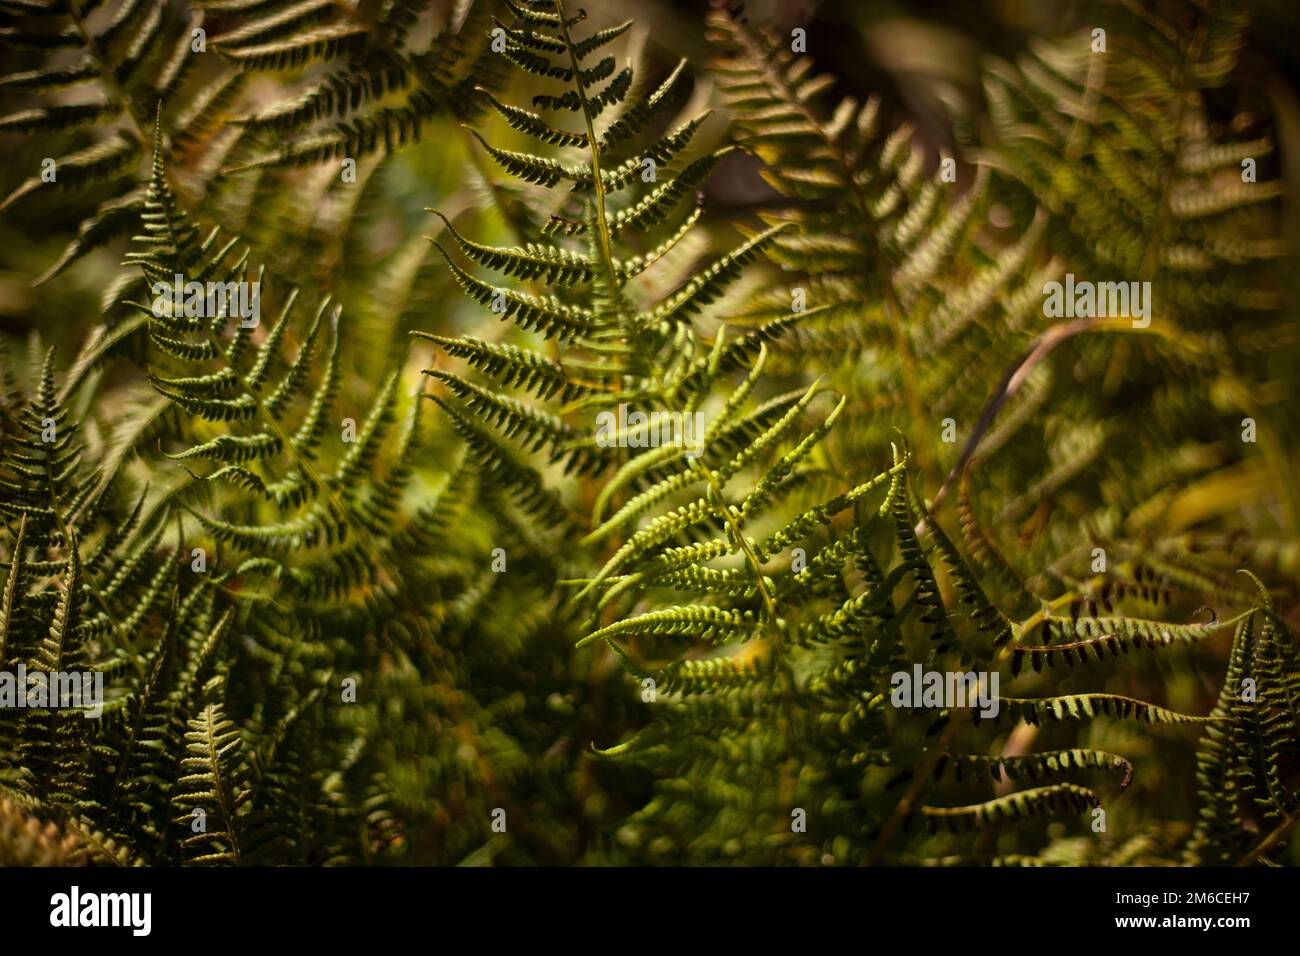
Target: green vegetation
x: 367, y: 582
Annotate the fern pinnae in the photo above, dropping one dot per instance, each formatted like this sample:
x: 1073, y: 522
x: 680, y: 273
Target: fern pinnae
x: 1089, y: 706
x: 1054, y: 798
x: 546, y: 315
x: 514, y: 367
x: 549, y: 264
x: 13, y: 581
x: 211, y: 780
x: 169, y: 224
x: 530, y: 123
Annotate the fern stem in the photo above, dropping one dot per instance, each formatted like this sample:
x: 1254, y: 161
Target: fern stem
x: 907, y: 363
x: 932, y: 756
x: 1011, y: 382
x: 1279, y: 833
x: 788, y: 688
x: 106, y: 72
x: 219, y: 788
x: 848, y: 173
x: 923, y: 773
x: 606, y: 247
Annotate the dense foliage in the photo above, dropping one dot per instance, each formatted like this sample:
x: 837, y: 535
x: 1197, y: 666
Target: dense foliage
x: 380, y: 573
